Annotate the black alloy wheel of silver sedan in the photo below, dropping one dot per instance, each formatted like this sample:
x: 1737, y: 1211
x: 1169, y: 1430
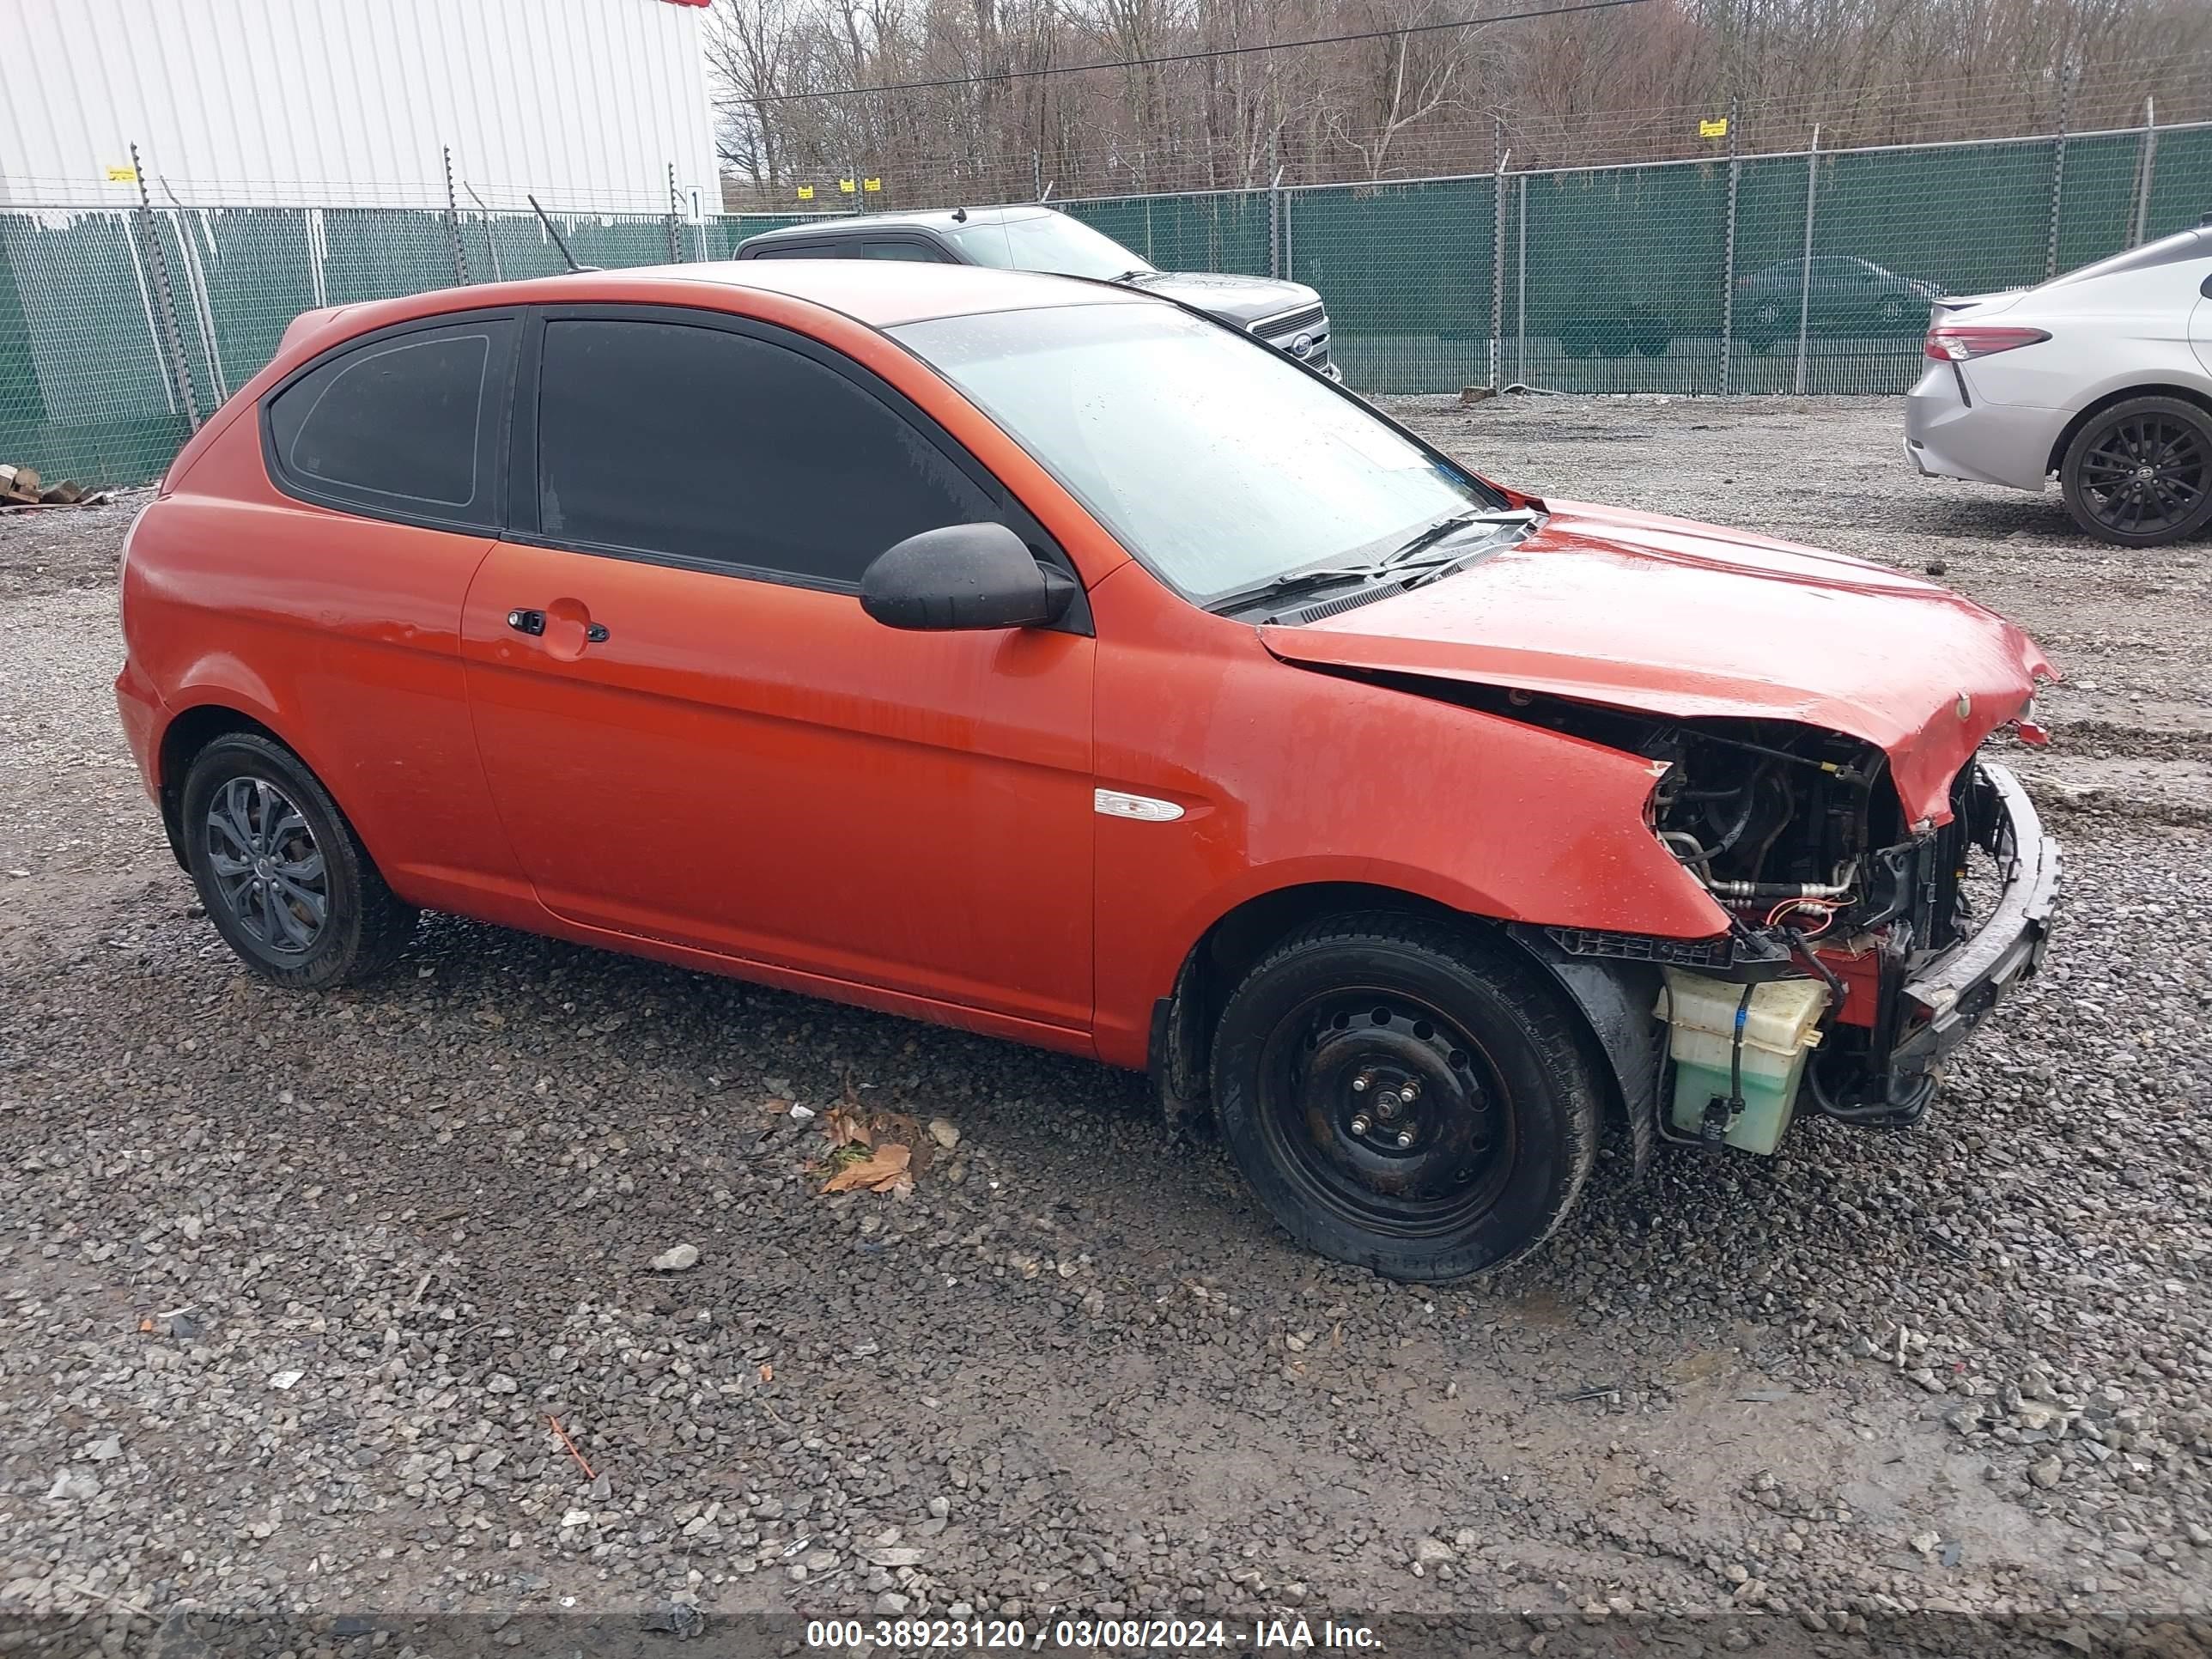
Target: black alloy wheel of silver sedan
x: 2139, y: 473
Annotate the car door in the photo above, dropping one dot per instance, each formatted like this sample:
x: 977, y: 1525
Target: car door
x: 387, y: 465
x: 693, y: 733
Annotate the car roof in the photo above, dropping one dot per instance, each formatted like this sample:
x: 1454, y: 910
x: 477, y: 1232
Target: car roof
x: 860, y: 224
x: 881, y: 294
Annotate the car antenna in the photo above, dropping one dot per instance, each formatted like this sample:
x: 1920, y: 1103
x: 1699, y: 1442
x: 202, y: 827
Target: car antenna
x: 555, y: 234
x: 960, y: 215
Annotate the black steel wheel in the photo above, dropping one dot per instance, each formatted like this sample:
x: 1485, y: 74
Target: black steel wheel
x: 284, y: 879
x: 2139, y: 473
x: 1405, y: 1096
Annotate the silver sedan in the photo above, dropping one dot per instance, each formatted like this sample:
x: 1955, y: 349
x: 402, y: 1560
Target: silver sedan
x: 2102, y: 376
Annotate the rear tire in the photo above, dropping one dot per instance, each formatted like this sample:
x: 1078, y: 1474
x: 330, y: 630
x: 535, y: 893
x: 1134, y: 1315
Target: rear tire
x: 1405, y: 1096
x: 2139, y: 474
x: 284, y: 879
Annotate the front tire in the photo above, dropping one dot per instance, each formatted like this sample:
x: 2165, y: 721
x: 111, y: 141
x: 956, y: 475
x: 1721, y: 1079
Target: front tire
x: 282, y: 874
x: 1405, y: 1096
x: 2139, y: 474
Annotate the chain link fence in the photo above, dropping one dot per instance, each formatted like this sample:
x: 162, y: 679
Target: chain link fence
x: 1808, y: 272
x: 121, y: 328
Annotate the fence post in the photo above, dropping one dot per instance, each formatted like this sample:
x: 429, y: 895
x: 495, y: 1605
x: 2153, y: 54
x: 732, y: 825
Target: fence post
x: 1275, y: 225
x: 196, y: 289
x: 491, y: 235
x: 1727, y: 256
x: 674, y: 253
x: 1275, y: 203
x: 2150, y: 159
x: 1520, y: 286
x: 453, y: 225
x: 318, y: 244
x: 1499, y: 155
x: 2058, y: 170
x: 1805, y: 267
x: 165, y: 299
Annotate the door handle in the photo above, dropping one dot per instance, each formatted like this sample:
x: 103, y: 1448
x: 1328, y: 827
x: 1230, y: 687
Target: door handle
x: 533, y: 623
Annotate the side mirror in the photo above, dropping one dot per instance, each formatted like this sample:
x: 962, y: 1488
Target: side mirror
x: 964, y: 576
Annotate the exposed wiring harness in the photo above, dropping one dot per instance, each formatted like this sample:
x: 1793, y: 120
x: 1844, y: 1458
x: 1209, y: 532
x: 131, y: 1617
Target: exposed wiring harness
x: 1822, y: 911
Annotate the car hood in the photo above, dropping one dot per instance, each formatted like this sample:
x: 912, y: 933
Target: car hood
x: 1243, y: 299
x: 1635, y: 611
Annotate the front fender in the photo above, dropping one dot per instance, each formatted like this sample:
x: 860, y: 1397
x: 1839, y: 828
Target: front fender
x: 1288, y: 777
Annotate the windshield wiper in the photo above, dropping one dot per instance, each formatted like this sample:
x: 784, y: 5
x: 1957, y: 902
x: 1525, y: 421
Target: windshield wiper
x: 1444, y: 528
x: 1402, y: 568
x: 1431, y: 571
x: 1300, y: 581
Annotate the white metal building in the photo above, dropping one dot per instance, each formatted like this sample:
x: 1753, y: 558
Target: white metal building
x: 333, y: 103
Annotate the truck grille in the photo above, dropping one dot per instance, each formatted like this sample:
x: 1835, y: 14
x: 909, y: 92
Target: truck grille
x: 1275, y: 330
x: 1281, y: 330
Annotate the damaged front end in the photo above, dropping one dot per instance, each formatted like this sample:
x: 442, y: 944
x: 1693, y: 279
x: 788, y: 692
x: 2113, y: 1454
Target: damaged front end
x: 1861, y: 948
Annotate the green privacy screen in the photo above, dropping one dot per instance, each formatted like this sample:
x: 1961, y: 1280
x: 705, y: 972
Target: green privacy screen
x: 1770, y: 274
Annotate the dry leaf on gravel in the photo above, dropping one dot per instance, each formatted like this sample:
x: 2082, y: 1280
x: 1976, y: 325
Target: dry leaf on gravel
x: 844, y: 1128
x: 879, y: 1171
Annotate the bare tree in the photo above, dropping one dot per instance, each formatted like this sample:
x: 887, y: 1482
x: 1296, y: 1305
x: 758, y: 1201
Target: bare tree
x: 1210, y: 98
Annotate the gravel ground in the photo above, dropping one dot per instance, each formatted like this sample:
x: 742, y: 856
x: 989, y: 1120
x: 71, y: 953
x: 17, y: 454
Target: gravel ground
x: 292, y: 1290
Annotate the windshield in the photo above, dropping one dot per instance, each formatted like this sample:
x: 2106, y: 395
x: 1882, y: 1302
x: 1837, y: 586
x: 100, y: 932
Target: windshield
x: 1046, y: 242
x: 1214, y: 459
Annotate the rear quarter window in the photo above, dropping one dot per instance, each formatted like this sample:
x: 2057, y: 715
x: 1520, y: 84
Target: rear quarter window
x: 401, y: 425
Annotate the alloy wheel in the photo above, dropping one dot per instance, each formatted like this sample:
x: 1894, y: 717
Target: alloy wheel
x: 2145, y: 474
x: 268, y: 870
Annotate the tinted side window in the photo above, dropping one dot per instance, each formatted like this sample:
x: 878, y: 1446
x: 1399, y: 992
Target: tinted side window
x: 806, y: 251
x: 401, y: 423
x: 921, y: 252
x: 719, y: 448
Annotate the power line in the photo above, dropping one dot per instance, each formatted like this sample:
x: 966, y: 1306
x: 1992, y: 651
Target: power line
x: 1195, y: 56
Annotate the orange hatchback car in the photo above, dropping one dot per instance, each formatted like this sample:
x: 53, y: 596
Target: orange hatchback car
x: 1045, y: 658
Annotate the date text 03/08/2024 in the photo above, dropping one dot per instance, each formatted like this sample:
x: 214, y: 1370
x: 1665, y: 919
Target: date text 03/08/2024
x: 1135, y: 1635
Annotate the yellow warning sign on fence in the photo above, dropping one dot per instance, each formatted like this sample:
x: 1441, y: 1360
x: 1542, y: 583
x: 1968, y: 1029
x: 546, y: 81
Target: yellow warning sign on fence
x: 846, y: 185
x: 806, y: 193
x: 122, y: 175
x: 1713, y: 128
x: 872, y: 183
